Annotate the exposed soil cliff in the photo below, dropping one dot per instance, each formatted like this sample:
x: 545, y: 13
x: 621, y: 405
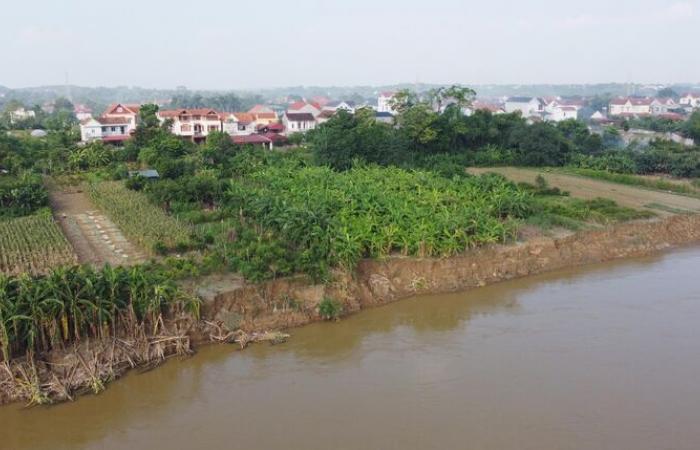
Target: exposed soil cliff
x: 287, y: 303
x: 235, y: 311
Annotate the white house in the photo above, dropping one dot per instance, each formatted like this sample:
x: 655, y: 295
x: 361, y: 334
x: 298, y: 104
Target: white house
x: 384, y: 102
x: 108, y: 129
x: 561, y: 113
x: 661, y: 106
x: 335, y: 106
x: 527, y: 106
x: 598, y: 116
x: 239, y: 123
x: 298, y: 122
x: 21, y: 114
x: 691, y: 100
x: 635, y: 106
x: 192, y: 123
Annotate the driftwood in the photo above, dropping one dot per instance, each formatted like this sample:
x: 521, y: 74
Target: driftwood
x: 224, y: 335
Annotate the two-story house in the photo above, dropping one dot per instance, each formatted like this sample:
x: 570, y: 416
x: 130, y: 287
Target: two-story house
x: 304, y: 107
x: 384, y: 102
x: 298, y: 122
x: 527, y: 106
x: 690, y: 100
x: 195, y: 124
x: 630, y: 106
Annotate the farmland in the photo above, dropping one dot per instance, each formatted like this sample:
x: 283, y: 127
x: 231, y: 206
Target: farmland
x: 140, y: 220
x: 33, y: 244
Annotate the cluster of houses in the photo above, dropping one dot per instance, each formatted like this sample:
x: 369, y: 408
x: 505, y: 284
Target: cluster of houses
x: 262, y: 125
x: 662, y: 107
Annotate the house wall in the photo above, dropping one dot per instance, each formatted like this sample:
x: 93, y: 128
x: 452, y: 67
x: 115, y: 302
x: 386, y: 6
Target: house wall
x: 90, y: 132
x: 384, y: 104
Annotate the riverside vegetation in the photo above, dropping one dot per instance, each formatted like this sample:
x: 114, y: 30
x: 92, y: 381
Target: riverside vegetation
x: 355, y: 189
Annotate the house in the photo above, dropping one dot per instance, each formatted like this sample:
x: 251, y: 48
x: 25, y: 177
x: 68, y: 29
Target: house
x: 82, y: 112
x: 107, y: 129
x: 527, y: 106
x: 258, y: 109
x: 630, y: 106
x: 561, y: 113
x: 493, y: 108
x: 265, y: 118
x: 384, y: 102
x: 298, y: 122
x: 239, y: 123
x: 195, y: 124
x: 690, y: 100
x: 661, y: 106
x: 21, y: 114
x: 325, y: 116
x: 599, y: 117
x: 304, y: 107
x: 335, y: 106
x: 253, y: 139
x: 127, y: 112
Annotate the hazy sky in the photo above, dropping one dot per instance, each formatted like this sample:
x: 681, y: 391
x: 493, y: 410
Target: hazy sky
x: 236, y: 44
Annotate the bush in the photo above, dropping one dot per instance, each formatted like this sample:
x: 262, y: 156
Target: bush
x: 330, y: 309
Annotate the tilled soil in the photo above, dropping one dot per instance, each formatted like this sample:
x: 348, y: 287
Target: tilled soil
x: 661, y: 203
x: 95, y: 239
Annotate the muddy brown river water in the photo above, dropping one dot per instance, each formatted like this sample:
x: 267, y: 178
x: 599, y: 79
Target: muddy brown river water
x: 604, y: 357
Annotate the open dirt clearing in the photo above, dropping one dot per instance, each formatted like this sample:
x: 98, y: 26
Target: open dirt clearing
x: 661, y: 203
x: 95, y: 239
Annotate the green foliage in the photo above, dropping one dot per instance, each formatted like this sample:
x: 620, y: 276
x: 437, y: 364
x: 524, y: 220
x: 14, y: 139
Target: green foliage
x: 22, y: 195
x: 138, y: 218
x: 33, y: 244
x: 311, y: 219
x: 330, y: 309
x: 599, y: 210
x: 40, y: 313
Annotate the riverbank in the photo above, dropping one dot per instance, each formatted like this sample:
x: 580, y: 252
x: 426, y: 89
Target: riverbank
x: 288, y: 303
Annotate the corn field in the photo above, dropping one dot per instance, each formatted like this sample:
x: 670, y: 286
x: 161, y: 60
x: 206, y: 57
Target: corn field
x: 69, y: 304
x: 143, y: 222
x: 33, y: 244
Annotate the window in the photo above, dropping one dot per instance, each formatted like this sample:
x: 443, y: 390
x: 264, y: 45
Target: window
x: 185, y: 128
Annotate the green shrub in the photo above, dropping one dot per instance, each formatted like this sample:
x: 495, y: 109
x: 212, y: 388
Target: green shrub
x: 330, y: 309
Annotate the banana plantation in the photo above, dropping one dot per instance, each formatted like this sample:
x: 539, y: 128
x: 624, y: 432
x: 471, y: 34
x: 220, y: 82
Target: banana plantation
x: 43, y: 313
x: 311, y: 219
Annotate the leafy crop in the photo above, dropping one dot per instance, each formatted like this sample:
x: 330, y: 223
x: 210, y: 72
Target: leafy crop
x: 145, y: 223
x: 310, y: 219
x: 32, y: 244
x: 69, y: 304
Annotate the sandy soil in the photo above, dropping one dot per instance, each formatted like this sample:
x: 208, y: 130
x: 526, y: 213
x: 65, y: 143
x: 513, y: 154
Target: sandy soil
x: 95, y: 239
x: 661, y: 203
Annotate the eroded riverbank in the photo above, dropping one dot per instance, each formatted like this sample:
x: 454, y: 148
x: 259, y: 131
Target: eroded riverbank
x: 288, y: 303
x: 588, y: 358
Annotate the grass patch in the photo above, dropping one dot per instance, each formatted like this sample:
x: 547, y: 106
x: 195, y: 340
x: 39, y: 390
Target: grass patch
x: 634, y: 180
x: 666, y: 208
x: 576, y: 214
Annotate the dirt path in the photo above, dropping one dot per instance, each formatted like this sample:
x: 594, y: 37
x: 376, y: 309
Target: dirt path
x: 95, y: 239
x: 661, y: 203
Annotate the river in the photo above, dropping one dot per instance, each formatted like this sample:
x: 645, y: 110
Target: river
x: 602, y: 357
